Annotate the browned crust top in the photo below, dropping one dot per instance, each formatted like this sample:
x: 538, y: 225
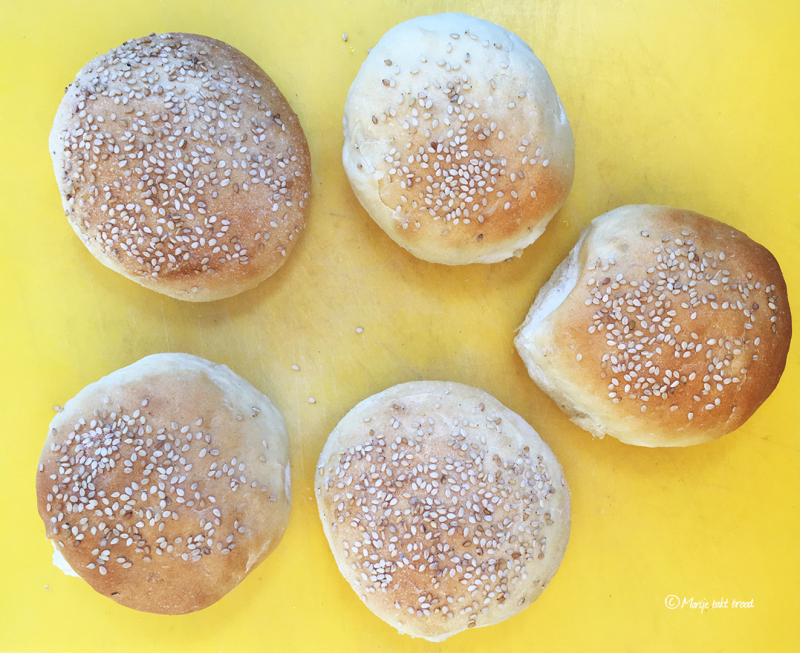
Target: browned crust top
x: 163, y: 485
x: 456, y: 141
x: 444, y: 509
x: 677, y: 330
x: 182, y: 166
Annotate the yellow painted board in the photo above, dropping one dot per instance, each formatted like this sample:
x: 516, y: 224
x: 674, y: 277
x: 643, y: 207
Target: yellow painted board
x: 691, y: 104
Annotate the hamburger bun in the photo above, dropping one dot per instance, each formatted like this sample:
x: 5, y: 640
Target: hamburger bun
x: 444, y: 510
x: 165, y: 483
x: 455, y: 140
x: 181, y: 166
x: 661, y: 328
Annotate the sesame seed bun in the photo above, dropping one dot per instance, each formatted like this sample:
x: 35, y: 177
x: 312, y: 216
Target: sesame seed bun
x: 662, y: 328
x: 165, y: 483
x: 444, y: 510
x: 181, y: 166
x: 455, y: 141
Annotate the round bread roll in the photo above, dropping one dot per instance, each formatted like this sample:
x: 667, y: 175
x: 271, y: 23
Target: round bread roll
x: 662, y: 328
x: 181, y: 166
x: 455, y: 141
x: 444, y: 510
x: 165, y: 483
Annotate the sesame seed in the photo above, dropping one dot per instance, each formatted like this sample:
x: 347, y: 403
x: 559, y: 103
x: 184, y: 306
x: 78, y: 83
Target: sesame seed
x: 311, y: 400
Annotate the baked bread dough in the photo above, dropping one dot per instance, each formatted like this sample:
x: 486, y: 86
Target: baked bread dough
x: 181, y: 166
x: 165, y: 483
x: 661, y: 328
x: 455, y: 140
x: 444, y: 510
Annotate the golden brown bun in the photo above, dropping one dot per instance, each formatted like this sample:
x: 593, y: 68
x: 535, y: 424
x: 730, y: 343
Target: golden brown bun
x: 456, y: 142
x: 181, y: 166
x: 165, y: 483
x: 661, y: 328
x: 444, y: 510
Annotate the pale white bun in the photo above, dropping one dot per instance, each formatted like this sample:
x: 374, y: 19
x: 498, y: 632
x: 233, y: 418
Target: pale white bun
x: 181, y: 166
x: 455, y: 140
x: 661, y: 328
x: 165, y: 483
x: 444, y: 510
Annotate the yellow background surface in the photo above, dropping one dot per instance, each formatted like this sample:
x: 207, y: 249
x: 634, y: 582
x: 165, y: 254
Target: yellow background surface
x: 690, y: 104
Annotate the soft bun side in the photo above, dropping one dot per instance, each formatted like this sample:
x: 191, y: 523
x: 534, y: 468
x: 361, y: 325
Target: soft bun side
x: 444, y: 509
x: 552, y: 295
x: 674, y: 328
x: 456, y: 142
x: 165, y: 483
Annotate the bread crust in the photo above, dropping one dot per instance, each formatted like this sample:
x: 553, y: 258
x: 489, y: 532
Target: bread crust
x: 456, y: 142
x: 165, y: 483
x: 181, y: 166
x: 465, y: 507
x: 662, y: 328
